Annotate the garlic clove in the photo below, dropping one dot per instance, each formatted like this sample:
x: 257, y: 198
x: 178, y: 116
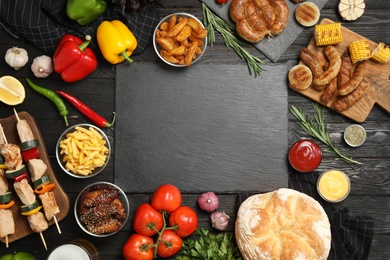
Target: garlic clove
x: 42, y: 66
x: 16, y: 57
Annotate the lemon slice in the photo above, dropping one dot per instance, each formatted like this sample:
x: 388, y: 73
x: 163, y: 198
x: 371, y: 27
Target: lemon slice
x: 12, y: 91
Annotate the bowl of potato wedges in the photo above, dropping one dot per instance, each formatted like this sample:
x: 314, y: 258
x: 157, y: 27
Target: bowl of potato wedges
x: 180, y: 39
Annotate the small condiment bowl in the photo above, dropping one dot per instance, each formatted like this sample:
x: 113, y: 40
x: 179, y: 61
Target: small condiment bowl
x: 158, y: 48
x: 305, y: 155
x: 355, y: 135
x: 60, y: 156
x: 106, y: 186
x: 333, y: 186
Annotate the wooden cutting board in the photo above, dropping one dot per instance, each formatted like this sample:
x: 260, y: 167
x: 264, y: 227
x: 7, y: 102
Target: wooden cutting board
x: 377, y: 74
x: 22, y: 228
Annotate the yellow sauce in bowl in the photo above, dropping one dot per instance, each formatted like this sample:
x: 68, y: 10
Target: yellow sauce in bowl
x: 333, y: 186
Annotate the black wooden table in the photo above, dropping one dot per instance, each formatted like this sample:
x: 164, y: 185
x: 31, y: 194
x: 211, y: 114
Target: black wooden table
x: 370, y: 192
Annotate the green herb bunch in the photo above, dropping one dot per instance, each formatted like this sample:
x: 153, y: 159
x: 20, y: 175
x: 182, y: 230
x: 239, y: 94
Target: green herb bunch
x: 210, y: 247
x: 316, y: 127
x: 214, y: 22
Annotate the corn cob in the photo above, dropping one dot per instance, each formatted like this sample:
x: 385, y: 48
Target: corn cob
x: 381, y: 53
x: 359, y: 50
x: 328, y: 34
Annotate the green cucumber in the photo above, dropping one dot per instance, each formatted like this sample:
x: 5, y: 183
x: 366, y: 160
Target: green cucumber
x: 6, y: 197
x: 27, y: 208
x: 45, y: 179
x: 15, y: 173
x: 29, y: 144
x: 1, y: 159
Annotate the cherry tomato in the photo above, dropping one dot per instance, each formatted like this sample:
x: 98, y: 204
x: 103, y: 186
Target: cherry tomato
x: 170, y: 244
x: 138, y: 247
x: 185, y: 219
x: 166, y: 197
x: 147, y: 220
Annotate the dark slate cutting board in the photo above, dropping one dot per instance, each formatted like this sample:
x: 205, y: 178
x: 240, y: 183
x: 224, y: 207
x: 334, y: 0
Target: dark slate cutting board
x: 274, y: 47
x: 201, y: 128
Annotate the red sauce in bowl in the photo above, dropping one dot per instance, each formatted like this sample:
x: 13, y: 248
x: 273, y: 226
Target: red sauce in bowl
x: 305, y: 156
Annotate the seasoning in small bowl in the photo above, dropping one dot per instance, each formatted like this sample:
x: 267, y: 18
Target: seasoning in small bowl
x: 333, y: 185
x: 355, y: 135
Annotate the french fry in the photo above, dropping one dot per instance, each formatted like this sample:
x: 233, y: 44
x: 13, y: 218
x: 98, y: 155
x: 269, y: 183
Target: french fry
x: 177, y: 51
x: 184, y: 33
x: 164, y: 26
x: 177, y: 28
x: 166, y: 43
x: 83, y: 150
x: 172, y: 21
x: 195, y: 25
x: 190, y: 53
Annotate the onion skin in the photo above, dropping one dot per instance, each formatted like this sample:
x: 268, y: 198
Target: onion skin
x: 208, y: 201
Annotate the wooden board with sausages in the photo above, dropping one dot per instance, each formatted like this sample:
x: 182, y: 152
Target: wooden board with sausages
x: 22, y: 227
x: 376, y: 73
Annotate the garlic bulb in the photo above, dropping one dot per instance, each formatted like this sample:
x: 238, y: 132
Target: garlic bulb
x: 219, y: 220
x: 42, y: 66
x: 16, y: 57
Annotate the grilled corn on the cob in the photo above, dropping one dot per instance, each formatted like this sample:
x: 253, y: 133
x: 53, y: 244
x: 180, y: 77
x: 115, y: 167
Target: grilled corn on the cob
x: 328, y: 34
x: 359, y: 50
x: 381, y: 53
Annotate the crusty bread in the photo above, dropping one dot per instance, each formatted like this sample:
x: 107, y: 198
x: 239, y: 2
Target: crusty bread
x: 300, y: 77
x: 282, y: 224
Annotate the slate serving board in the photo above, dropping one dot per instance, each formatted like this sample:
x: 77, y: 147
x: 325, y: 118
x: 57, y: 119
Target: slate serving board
x: 274, y: 47
x: 200, y: 128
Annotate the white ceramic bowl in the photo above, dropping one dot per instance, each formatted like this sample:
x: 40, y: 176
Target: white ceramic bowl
x: 60, y: 156
x: 157, y: 47
x: 355, y: 135
x: 110, y: 192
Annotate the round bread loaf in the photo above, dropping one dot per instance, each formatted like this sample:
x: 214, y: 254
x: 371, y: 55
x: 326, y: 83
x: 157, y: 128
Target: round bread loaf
x: 300, y: 77
x: 282, y: 224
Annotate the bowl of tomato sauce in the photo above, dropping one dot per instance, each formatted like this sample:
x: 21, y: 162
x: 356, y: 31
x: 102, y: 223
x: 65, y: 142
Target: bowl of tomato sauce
x: 305, y: 155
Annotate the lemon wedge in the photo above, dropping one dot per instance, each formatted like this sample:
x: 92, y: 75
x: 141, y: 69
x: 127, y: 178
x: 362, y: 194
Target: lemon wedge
x: 12, y: 91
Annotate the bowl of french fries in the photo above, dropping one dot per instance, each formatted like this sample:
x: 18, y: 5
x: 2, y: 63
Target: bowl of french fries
x: 83, y: 150
x: 180, y: 39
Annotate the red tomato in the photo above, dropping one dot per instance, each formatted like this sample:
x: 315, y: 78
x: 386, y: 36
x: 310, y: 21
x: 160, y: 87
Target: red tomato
x: 147, y: 220
x: 186, y: 220
x: 166, y: 197
x: 170, y: 243
x: 138, y: 247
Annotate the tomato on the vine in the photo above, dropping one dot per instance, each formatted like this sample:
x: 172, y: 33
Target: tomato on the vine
x: 185, y: 220
x: 166, y: 197
x: 138, y: 247
x: 169, y: 244
x: 147, y: 220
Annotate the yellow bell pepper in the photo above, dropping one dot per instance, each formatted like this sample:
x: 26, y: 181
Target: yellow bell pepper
x: 116, y: 41
x: 32, y: 212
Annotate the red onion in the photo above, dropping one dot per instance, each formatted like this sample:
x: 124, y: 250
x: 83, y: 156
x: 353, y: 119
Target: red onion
x: 219, y: 220
x: 208, y: 201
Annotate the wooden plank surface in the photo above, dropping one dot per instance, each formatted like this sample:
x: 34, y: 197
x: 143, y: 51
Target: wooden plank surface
x: 22, y: 228
x: 200, y: 130
x: 376, y: 73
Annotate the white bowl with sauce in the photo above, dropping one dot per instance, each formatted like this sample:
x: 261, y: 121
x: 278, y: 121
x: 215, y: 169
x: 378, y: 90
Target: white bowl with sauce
x: 333, y: 186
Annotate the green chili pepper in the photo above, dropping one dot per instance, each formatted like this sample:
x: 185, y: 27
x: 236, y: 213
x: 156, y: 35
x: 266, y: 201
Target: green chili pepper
x: 53, y: 96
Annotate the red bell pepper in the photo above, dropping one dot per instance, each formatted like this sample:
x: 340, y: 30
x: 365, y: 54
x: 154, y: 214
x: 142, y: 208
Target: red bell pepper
x: 73, y: 59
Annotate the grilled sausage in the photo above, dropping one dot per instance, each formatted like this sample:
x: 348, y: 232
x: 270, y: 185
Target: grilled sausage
x: 329, y: 92
x: 311, y: 60
x: 281, y: 9
x: 345, y: 73
x: 334, y: 58
x: 344, y: 102
x: 353, y: 83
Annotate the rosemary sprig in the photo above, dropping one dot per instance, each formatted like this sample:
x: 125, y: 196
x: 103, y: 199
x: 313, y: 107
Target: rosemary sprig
x: 316, y: 127
x: 214, y: 22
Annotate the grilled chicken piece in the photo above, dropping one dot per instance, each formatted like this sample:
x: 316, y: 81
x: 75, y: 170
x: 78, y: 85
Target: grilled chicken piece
x: 24, y: 131
x: 37, y: 168
x: 38, y: 222
x: 12, y: 156
x: 3, y: 182
x: 49, y: 204
x: 100, y: 196
x: 105, y: 226
x: 7, y: 224
x: 25, y: 192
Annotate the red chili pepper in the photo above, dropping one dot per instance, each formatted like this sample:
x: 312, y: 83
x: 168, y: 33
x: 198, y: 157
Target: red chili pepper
x: 72, y: 59
x: 222, y: 1
x: 87, y: 111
